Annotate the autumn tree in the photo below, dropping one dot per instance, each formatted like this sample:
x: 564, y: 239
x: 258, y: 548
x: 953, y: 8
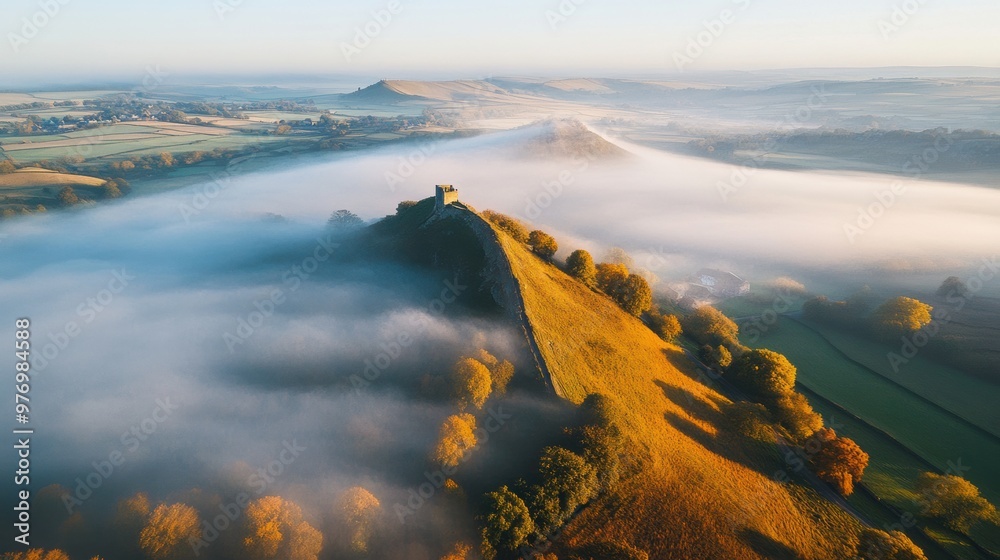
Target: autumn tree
x: 543, y: 244
x: 275, y: 530
x: 131, y: 516
x: 667, y: 327
x: 507, y: 523
x: 953, y: 500
x: 507, y: 224
x: 580, y: 265
x: 794, y: 413
x: 617, y: 255
x: 715, y: 357
x: 110, y: 190
x: 360, y: 510
x: 460, y: 551
x: 472, y: 383
x: 901, y: 316
x: 633, y: 295
x: 840, y: 462
x: 168, y: 532
x: 610, y: 551
x: 567, y: 482
x: 166, y: 159
x: 455, y: 439
x: 874, y: 544
x: 501, y: 375
x: 751, y: 420
x: 405, y: 205
x: 708, y: 325
x: 6, y: 166
x: 36, y: 554
x: 764, y: 373
x: 609, y: 276
x: 67, y: 197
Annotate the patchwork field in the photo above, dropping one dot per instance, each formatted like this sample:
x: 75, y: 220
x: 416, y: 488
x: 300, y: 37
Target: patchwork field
x: 904, y: 432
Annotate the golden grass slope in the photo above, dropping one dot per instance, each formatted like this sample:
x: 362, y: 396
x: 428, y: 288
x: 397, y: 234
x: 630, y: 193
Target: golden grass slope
x: 703, y: 493
x: 38, y: 177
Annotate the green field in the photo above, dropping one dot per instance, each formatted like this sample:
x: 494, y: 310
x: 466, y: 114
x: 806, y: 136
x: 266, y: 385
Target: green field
x: 932, y: 435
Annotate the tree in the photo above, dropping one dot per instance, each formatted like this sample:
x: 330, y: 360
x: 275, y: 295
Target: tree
x: 472, y: 383
x: 874, y: 544
x: 509, y: 225
x: 840, y: 462
x: 901, y: 316
x: 36, y: 554
x: 6, y: 166
x: 132, y: 514
x: 458, y: 552
x: 598, y: 410
x: 166, y: 159
x: 67, y: 197
x: 667, y: 327
x: 763, y: 372
x: 634, y: 295
x: 602, y: 449
x: 167, y: 534
x: 610, y: 276
x: 543, y: 244
x: 580, y: 265
x: 501, y: 374
x: 506, y: 524
x: 715, y: 357
x: 953, y: 286
x: 567, y: 482
x: 360, y: 510
x: 344, y: 220
x: 405, y: 205
x: 794, y: 413
x: 110, y: 190
x: 455, y: 439
x: 708, y: 325
x: 275, y: 529
x: 617, y: 255
x: 953, y: 500
x: 750, y: 420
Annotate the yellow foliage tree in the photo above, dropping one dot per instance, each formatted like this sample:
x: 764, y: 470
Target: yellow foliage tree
x: 456, y: 438
x: 360, y: 509
x: 167, y: 534
x: 276, y: 530
x: 458, y: 552
x: 472, y: 383
x: 36, y: 554
x: 902, y: 315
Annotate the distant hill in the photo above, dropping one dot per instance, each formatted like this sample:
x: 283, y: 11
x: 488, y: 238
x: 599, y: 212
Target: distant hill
x: 696, y: 490
x: 566, y: 138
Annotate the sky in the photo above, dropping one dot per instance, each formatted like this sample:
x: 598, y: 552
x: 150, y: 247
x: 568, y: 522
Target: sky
x: 448, y: 38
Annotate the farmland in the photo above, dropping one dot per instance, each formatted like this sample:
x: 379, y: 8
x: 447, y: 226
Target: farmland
x: 907, y: 428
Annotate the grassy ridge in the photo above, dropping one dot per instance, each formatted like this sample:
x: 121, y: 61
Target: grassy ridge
x: 704, y: 493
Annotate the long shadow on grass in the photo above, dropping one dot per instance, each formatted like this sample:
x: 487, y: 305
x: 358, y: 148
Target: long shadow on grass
x: 767, y: 546
x: 757, y: 455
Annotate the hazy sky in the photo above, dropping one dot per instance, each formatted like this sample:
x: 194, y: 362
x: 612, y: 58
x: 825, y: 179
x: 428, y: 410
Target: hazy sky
x: 123, y: 37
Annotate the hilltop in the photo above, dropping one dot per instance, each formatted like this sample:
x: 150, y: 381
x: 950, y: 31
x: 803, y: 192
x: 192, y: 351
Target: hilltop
x: 696, y: 490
